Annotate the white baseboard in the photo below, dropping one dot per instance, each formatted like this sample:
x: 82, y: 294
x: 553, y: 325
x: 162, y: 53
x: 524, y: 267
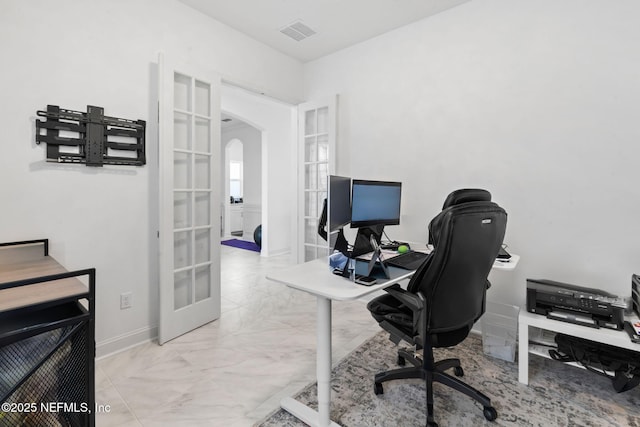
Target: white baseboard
x: 279, y: 252
x: 125, y: 341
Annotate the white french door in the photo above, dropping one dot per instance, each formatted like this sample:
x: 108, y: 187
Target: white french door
x: 317, y: 142
x: 189, y: 156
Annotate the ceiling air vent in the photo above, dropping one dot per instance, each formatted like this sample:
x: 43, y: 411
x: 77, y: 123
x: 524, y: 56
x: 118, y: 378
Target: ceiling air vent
x: 297, y: 31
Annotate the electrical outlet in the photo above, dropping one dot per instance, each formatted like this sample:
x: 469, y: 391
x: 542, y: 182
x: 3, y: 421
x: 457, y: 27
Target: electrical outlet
x: 126, y: 300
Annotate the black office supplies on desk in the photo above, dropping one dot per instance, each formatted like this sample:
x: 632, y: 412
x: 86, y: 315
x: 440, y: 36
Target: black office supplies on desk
x: 360, y: 279
x: 390, y: 246
x: 503, y: 255
x: 365, y: 280
x: 394, y: 245
x: 575, y: 304
x: 409, y: 261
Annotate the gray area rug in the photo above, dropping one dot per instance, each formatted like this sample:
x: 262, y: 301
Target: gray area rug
x: 557, y: 395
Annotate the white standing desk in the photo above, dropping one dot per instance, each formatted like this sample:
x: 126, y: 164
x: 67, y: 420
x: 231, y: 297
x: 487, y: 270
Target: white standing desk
x: 315, y: 277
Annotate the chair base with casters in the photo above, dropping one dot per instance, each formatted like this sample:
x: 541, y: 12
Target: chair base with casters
x: 431, y: 371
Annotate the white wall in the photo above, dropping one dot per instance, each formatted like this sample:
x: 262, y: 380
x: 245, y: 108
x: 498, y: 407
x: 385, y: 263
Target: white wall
x: 276, y: 120
x: 73, y: 53
x: 535, y: 101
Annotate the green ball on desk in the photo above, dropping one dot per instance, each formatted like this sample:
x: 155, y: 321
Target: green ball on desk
x: 403, y: 249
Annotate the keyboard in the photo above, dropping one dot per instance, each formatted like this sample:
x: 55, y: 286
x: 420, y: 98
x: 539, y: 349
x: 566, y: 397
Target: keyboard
x: 408, y: 261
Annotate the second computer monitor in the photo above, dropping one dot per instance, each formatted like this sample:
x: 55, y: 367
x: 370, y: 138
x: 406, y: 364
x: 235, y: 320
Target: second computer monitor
x: 375, y: 203
x: 339, y: 202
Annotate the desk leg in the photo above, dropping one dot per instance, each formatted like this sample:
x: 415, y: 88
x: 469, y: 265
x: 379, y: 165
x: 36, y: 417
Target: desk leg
x: 323, y: 374
x: 523, y: 352
x: 323, y: 359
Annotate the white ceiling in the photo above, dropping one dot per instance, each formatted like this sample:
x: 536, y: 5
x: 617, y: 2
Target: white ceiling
x: 337, y: 23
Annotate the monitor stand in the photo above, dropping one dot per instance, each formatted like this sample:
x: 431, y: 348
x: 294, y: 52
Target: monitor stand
x: 363, y: 244
x: 339, y: 242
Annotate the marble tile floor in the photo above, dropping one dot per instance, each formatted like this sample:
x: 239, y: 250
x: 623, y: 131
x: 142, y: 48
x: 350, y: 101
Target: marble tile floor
x: 233, y: 371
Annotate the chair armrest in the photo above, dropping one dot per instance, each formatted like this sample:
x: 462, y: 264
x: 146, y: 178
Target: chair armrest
x: 416, y: 303
x: 413, y: 301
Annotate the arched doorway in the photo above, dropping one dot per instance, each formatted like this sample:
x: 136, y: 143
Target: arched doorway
x: 242, y: 183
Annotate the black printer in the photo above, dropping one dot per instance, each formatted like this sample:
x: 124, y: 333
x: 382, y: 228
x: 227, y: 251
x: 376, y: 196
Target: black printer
x: 575, y: 304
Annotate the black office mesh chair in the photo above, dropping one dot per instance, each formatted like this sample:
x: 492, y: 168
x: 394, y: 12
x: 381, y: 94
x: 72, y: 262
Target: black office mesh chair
x: 444, y: 298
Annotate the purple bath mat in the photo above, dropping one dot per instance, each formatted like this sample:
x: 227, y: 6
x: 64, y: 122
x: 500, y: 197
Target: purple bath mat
x: 242, y: 244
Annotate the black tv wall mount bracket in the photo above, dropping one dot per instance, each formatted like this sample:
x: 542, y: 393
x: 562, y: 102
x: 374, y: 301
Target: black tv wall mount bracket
x: 91, y: 138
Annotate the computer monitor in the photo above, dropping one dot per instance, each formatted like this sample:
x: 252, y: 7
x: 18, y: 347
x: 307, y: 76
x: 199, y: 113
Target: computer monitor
x: 339, y: 209
x: 336, y: 213
x: 375, y: 203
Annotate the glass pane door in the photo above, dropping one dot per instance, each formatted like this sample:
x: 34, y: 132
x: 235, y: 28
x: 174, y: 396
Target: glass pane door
x: 317, y: 137
x: 189, y: 207
x: 192, y: 191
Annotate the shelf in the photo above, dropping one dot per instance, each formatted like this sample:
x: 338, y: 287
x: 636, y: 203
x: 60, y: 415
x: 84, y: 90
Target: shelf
x: 543, y: 351
x: 603, y: 335
x: 19, y: 263
x: 24, y: 324
x: 526, y: 320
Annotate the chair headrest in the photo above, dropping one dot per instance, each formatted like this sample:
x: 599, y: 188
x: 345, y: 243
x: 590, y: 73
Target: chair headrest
x: 465, y: 195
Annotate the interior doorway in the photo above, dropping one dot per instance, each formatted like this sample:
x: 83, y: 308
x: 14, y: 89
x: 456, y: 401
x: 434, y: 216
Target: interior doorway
x: 242, y: 184
x: 267, y: 129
